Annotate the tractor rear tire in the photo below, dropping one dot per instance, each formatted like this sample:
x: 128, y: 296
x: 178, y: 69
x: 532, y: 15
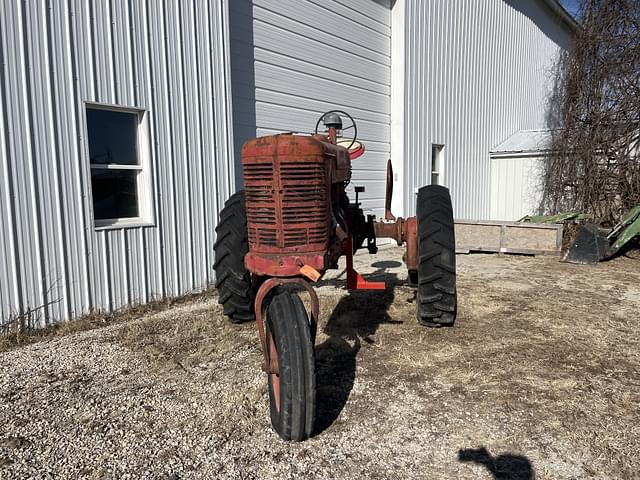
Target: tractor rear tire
x: 436, y: 296
x: 236, y: 293
x: 292, y: 392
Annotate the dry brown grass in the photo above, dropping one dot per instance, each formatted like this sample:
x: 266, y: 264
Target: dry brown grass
x: 191, y: 337
x: 544, y: 357
x: 15, y: 334
x: 551, y: 348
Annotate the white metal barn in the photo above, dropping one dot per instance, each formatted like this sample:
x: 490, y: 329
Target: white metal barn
x: 122, y: 121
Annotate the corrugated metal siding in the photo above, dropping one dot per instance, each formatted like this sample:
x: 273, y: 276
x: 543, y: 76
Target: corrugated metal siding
x: 169, y: 58
x: 515, y: 187
x: 476, y: 72
x: 295, y: 59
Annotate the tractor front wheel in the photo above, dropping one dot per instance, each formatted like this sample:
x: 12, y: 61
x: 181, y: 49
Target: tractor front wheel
x: 436, y: 296
x: 292, y: 391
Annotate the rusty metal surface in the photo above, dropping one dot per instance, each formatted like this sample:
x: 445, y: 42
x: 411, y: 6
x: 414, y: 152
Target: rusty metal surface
x: 402, y: 231
x: 389, y: 193
x: 287, y: 194
x: 411, y: 257
x: 288, y: 182
x: 283, y: 265
x: 395, y: 230
x: 274, y: 371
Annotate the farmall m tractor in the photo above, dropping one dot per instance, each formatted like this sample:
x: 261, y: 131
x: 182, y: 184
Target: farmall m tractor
x: 289, y: 226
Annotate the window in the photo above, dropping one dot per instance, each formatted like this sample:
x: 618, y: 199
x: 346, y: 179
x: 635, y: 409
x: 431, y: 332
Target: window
x: 120, y: 171
x: 437, y: 164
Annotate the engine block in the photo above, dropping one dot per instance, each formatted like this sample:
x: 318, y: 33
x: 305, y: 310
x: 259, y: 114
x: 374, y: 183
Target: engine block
x: 287, y: 180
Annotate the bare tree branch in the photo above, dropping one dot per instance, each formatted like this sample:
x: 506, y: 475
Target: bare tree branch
x: 595, y: 164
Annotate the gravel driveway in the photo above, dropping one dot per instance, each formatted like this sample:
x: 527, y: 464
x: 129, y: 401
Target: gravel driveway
x: 540, y: 378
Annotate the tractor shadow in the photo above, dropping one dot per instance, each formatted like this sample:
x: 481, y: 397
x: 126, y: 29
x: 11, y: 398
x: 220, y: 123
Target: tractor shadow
x: 353, y: 322
x: 503, y: 467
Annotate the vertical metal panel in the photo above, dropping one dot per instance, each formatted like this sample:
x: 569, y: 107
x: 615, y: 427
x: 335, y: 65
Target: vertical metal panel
x: 515, y: 191
x: 192, y: 130
x: 20, y: 154
x: 168, y: 58
x: 10, y: 293
x: 292, y: 60
x: 476, y: 73
x: 180, y: 172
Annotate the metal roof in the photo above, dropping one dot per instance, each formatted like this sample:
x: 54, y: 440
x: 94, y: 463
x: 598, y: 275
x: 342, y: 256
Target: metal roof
x: 559, y: 10
x: 527, y: 142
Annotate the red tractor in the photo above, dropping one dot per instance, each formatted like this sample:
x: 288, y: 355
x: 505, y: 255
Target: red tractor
x: 289, y: 226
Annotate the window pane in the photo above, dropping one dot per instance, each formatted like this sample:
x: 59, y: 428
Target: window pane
x: 112, y: 136
x: 114, y: 194
x: 434, y: 158
x: 436, y: 163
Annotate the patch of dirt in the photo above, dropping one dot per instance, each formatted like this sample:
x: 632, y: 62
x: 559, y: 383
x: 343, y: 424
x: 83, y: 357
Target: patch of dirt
x: 539, y: 378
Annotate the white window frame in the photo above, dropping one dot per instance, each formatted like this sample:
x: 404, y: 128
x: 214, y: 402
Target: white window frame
x: 437, y: 163
x: 146, y: 214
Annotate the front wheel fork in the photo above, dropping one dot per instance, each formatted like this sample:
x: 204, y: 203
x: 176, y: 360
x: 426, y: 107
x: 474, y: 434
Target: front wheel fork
x: 270, y: 362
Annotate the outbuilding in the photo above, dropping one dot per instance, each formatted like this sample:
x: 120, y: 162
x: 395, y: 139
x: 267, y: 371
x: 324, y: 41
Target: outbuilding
x: 517, y: 169
x: 122, y: 121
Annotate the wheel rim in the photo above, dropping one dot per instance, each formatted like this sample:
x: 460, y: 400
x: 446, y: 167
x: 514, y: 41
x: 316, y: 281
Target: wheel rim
x: 274, y: 377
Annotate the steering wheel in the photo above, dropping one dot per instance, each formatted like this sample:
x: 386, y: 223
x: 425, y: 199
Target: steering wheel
x: 353, y: 125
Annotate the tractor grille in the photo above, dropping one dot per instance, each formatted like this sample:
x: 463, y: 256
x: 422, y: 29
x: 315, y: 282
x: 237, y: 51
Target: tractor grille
x: 287, y: 204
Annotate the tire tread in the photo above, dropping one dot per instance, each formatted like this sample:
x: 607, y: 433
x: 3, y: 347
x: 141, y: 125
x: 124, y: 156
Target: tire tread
x: 437, y: 296
x: 288, y: 321
x: 235, y: 290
